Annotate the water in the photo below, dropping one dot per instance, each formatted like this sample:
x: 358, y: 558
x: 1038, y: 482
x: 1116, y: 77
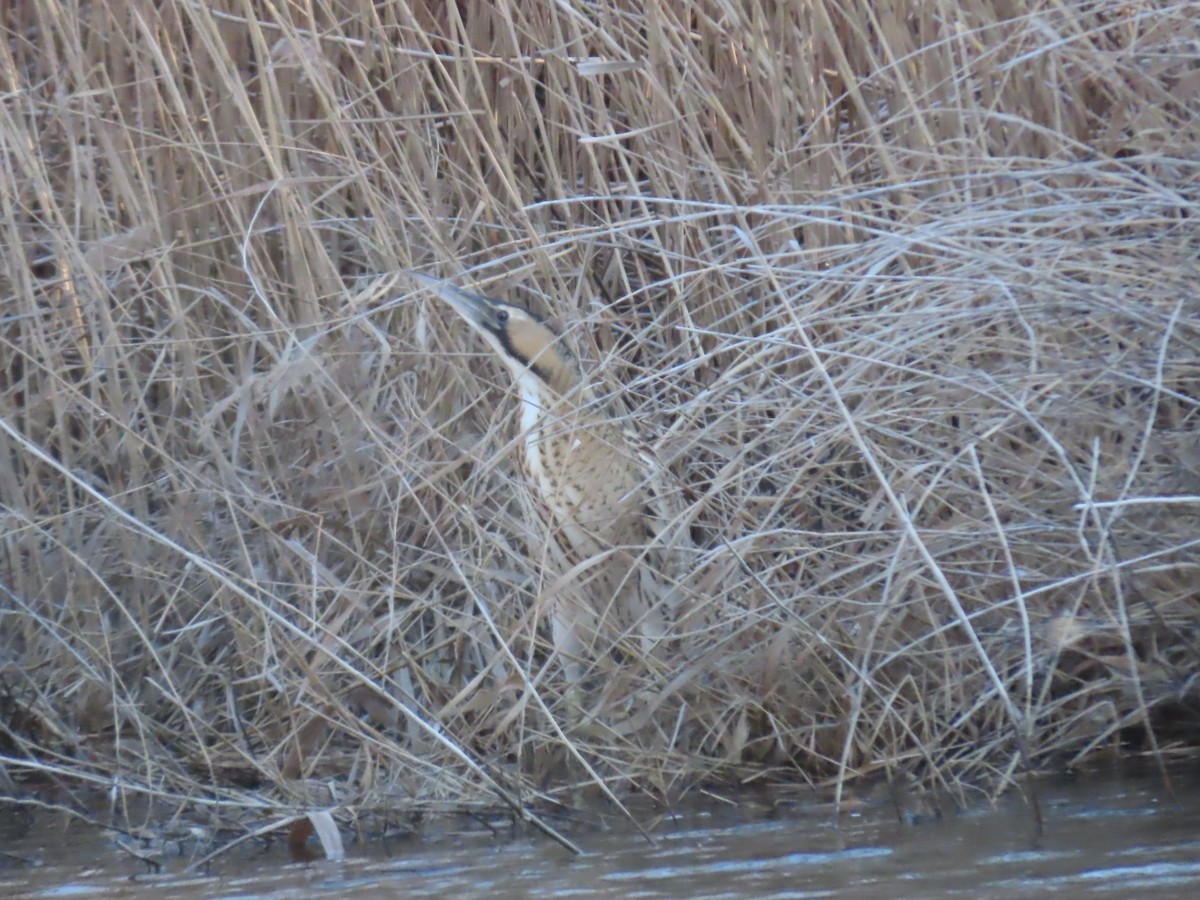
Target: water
x: 1105, y: 835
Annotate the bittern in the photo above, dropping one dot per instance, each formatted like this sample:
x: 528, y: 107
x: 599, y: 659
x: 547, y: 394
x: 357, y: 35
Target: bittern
x: 592, y: 482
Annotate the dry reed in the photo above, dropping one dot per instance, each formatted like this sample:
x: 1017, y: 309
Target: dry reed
x: 904, y: 295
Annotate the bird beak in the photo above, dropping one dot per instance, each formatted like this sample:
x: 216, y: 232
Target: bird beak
x: 474, y: 308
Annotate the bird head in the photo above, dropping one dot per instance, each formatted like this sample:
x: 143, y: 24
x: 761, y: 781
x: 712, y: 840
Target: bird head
x: 523, y: 340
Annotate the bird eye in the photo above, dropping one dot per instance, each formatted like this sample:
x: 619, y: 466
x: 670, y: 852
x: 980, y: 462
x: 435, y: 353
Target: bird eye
x: 501, y: 316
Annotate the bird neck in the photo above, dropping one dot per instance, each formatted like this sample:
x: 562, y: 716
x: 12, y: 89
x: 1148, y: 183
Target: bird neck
x: 542, y: 404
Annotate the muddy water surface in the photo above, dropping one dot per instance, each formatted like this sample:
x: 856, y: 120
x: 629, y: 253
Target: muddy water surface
x: 1106, y: 835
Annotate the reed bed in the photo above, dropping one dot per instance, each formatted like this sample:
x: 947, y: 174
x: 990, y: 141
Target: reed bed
x: 904, y: 297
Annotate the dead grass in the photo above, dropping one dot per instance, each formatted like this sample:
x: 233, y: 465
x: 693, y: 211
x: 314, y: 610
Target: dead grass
x: 904, y: 296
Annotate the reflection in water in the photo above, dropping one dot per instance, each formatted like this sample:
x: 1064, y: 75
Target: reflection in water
x: 1119, y: 836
